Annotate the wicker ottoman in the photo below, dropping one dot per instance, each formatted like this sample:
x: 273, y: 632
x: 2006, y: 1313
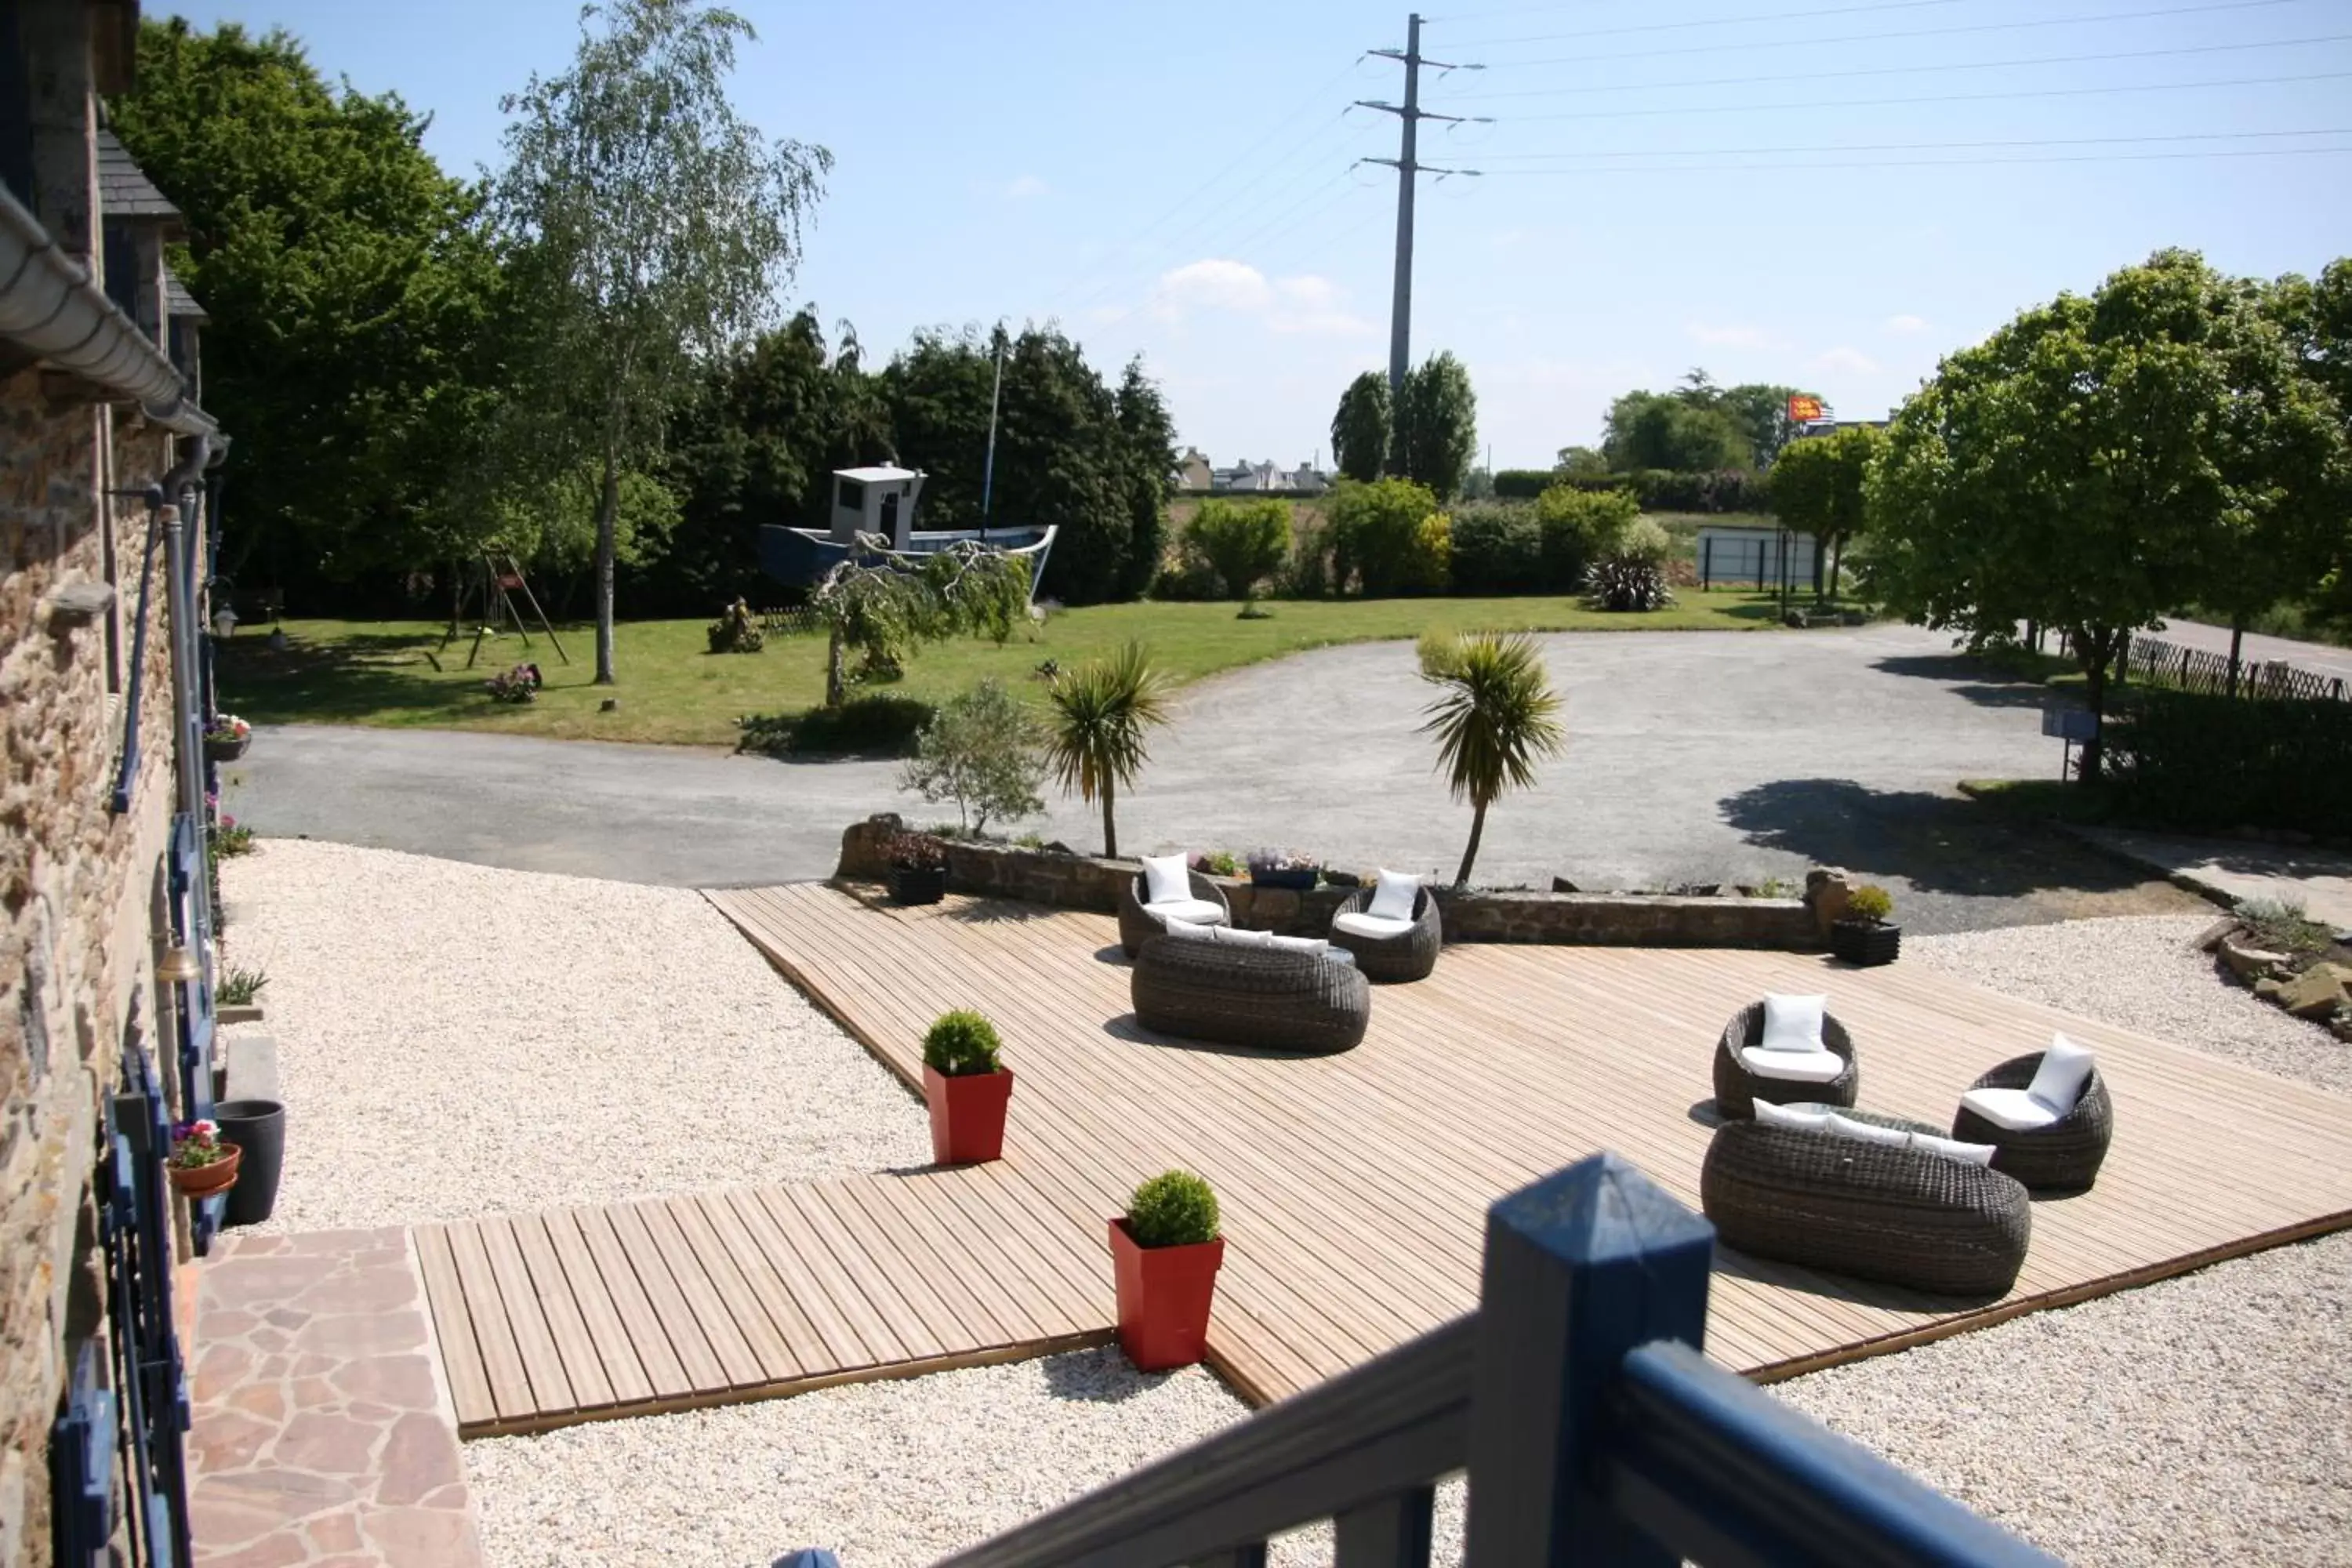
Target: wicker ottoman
x: 1278, y: 998
x: 1846, y: 1206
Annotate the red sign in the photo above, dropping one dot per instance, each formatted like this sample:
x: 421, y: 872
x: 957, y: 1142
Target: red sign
x: 1806, y: 410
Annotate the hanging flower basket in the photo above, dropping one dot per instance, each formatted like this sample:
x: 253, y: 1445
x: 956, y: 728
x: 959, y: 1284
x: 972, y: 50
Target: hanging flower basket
x: 226, y: 739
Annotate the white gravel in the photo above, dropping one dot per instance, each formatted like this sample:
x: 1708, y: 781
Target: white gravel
x: 456, y: 1040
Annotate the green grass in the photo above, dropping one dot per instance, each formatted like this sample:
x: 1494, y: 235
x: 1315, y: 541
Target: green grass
x: 672, y: 691
x: 2047, y: 800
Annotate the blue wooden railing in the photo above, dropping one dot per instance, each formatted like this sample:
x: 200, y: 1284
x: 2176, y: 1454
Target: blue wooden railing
x: 1591, y: 1428
x: 81, y: 1468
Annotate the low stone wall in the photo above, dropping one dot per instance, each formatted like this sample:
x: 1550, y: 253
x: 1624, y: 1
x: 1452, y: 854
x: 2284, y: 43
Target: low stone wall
x: 1600, y: 919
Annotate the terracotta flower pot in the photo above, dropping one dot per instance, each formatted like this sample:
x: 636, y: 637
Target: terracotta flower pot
x: 967, y: 1114
x: 1163, y: 1299
x: 204, y: 1181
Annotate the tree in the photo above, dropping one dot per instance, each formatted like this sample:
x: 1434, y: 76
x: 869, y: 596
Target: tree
x: 1817, y: 487
x: 1436, y: 427
x: 1668, y: 430
x: 1494, y: 718
x: 1581, y: 463
x: 1095, y: 735
x: 1760, y: 412
x: 984, y: 751
x: 1387, y: 536
x: 1243, y: 541
x: 355, y: 300
x: 2099, y: 462
x: 1360, y: 430
x: 659, y: 225
x: 2317, y: 316
x: 882, y: 611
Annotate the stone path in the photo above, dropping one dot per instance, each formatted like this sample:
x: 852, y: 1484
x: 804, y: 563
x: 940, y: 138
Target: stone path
x: 323, y: 1437
x: 2318, y: 879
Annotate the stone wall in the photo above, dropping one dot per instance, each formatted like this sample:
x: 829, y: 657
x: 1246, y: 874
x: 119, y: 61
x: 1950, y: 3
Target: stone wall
x: 78, y: 885
x: 1605, y: 919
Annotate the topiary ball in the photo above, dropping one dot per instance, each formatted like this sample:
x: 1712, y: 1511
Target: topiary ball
x: 961, y: 1044
x: 1175, y: 1208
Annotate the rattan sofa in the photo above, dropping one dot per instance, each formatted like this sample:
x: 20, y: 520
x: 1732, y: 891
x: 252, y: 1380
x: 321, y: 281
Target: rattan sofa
x: 1736, y: 1089
x: 1846, y: 1206
x: 1137, y: 924
x: 2064, y: 1156
x: 1278, y: 998
x: 1410, y: 954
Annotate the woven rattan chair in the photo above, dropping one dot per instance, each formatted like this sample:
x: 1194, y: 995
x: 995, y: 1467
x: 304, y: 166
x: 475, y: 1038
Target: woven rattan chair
x: 1137, y: 925
x: 1737, y: 1090
x: 1837, y: 1204
x: 2064, y: 1156
x: 1409, y: 954
x: 1278, y: 998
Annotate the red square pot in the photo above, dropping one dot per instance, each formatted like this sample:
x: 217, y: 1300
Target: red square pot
x: 1163, y: 1299
x: 967, y: 1115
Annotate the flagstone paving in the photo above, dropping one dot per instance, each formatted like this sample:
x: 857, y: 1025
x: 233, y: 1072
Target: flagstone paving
x: 323, y: 1434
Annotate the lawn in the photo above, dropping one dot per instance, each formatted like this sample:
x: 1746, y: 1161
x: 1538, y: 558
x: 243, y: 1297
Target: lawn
x: 672, y: 691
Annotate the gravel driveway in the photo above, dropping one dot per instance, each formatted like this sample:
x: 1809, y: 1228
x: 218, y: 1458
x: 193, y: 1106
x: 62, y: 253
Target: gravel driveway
x: 1694, y: 757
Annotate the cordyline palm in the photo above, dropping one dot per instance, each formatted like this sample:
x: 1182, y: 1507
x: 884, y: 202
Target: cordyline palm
x: 1094, y: 738
x: 1497, y: 716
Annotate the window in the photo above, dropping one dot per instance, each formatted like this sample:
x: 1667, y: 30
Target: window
x: 851, y: 497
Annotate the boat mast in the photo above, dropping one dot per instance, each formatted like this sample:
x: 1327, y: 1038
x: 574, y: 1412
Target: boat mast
x: 988, y: 470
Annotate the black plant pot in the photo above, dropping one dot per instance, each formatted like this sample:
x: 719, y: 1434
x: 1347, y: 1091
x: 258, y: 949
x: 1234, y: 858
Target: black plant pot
x: 1299, y: 879
x: 1859, y: 942
x: 918, y: 884
x: 258, y: 1127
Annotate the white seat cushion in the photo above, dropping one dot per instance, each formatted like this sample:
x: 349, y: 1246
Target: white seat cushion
x: 1236, y: 937
x: 1315, y: 944
x: 1865, y: 1132
x: 1166, y: 879
x: 1953, y: 1149
x: 1792, y: 1067
x: 1772, y: 1115
x: 2013, y: 1108
x: 1793, y: 1023
x: 1199, y: 912
x: 1189, y: 931
x: 1392, y: 897
x: 1378, y: 926
x: 2065, y: 1068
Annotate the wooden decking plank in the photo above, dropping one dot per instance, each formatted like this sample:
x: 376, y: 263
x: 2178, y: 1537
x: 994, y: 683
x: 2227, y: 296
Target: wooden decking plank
x: 584, y: 1367
x: 880, y: 1293
x: 550, y: 1389
x: 801, y: 1341
x: 843, y: 1296
x: 685, y: 1332
x: 501, y: 1360
x: 453, y: 1327
x: 726, y: 1336
x: 624, y: 1373
x: 776, y: 1362
x: 940, y: 1260
x: 838, y: 1345
x: 649, y: 1340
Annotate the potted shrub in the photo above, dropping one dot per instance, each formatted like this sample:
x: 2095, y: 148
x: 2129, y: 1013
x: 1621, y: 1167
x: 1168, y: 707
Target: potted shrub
x: 200, y: 1163
x: 1165, y: 1252
x: 966, y: 1089
x: 1864, y: 934
x: 1280, y: 868
x: 919, y: 869
x: 225, y: 738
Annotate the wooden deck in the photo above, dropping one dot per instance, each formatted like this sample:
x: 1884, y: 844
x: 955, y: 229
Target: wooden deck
x: 1353, y: 1185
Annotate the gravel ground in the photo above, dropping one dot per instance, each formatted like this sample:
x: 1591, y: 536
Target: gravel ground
x: 455, y: 1040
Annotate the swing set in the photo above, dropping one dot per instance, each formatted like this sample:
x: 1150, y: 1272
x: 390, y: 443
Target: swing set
x: 493, y: 590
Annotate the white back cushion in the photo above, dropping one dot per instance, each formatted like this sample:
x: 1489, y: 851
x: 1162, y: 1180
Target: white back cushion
x: 1793, y: 1023
x: 1240, y: 938
x: 1393, y: 897
x: 1953, y: 1149
x: 1867, y: 1132
x: 2065, y: 1068
x: 1303, y: 943
x: 1188, y: 931
x: 1771, y: 1115
x: 1164, y: 879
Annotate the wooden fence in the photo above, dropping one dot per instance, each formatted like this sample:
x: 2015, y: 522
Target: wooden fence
x: 797, y: 620
x: 2151, y: 661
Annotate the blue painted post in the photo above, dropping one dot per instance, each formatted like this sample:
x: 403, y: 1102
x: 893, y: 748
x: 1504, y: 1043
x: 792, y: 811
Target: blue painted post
x: 811, y: 1557
x: 1580, y: 1267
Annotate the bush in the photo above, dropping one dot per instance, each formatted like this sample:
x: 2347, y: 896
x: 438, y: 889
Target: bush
x: 1870, y: 902
x: 1175, y: 1208
x: 863, y: 727
x: 961, y: 1044
x: 239, y: 987
x: 2206, y: 762
x: 1243, y: 541
x: 1578, y: 527
x: 2277, y: 925
x: 1656, y: 490
x: 1388, y: 538
x: 983, y: 750
x: 1497, y: 548
x: 1523, y: 484
x: 735, y: 631
x: 1627, y: 583
x: 1308, y: 574
x: 1645, y: 540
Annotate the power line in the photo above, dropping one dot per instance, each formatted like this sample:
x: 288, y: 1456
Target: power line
x: 1705, y: 22
x: 1913, y: 146
x: 1915, y: 70
x: 1304, y: 211
x: 1933, y: 163
x: 1912, y: 33
x: 1687, y: 110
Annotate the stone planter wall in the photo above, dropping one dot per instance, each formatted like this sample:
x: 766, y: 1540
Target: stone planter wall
x: 1604, y: 919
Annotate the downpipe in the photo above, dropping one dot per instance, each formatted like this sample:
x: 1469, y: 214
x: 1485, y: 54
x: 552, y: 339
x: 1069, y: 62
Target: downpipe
x: 174, y: 494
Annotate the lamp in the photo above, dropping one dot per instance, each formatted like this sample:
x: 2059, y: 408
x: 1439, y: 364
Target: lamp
x: 178, y: 966
x: 225, y: 623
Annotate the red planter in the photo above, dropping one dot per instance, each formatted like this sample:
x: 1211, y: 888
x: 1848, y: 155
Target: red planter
x: 1163, y: 1299
x: 967, y: 1115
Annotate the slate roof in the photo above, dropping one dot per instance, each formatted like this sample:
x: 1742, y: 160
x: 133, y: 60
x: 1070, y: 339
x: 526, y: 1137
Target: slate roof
x: 123, y: 191
x: 177, y: 301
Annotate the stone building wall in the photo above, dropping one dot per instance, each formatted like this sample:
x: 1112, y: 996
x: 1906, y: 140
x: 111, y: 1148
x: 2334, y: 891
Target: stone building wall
x: 79, y: 886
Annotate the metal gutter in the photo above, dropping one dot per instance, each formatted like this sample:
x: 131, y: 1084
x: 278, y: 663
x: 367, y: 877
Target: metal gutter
x: 51, y: 304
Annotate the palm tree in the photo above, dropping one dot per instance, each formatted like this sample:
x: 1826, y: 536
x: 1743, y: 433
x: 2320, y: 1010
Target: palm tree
x: 1094, y: 738
x: 1498, y: 715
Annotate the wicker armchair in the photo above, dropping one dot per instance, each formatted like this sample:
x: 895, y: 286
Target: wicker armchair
x: 1409, y: 955
x: 2064, y: 1156
x: 1837, y: 1204
x: 1137, y: 925
x: 1278, y: 998
x: 1737, y: 1090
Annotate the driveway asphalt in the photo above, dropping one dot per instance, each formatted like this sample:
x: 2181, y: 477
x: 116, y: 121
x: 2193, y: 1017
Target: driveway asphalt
x: 1693, y: 757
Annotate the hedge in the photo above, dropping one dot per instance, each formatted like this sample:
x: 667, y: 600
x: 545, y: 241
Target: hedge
x: 2202, y: 761
x: 1725, y: 489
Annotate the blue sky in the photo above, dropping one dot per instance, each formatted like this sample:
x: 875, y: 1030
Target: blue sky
x: 1831, y: 192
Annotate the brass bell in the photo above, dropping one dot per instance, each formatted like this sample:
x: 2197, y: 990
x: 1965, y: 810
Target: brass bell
x: 178, y: 966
